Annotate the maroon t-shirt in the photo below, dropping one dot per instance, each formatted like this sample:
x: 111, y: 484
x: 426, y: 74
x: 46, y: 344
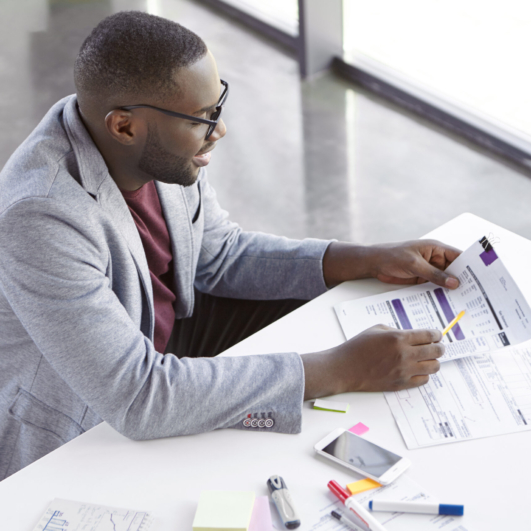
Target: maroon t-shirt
x: 145, y: 208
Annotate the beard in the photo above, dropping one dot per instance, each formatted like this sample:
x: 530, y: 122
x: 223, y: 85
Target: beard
x: 162, y: 165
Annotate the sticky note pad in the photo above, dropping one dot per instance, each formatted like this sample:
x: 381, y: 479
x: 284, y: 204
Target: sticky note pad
x: 261, y: 518
x: 359, y: 429
x: 362, y: 485
x: 224, y: 510
x: 328, y: 405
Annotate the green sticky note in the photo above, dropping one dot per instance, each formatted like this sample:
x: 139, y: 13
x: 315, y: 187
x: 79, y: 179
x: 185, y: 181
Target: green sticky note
x: 224, y: 510
x: 328, y: 405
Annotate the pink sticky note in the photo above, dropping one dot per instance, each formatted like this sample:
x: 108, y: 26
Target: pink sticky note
x: 261, y: 517
x: 359, y: 429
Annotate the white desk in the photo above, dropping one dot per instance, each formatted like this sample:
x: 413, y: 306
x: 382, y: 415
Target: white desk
x: 166, y: 476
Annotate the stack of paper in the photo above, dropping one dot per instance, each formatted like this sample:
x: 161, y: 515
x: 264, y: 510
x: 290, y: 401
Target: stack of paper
x: 483, y: 388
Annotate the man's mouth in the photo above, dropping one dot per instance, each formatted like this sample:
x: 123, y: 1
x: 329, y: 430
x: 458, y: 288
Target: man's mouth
x: 202, y: 159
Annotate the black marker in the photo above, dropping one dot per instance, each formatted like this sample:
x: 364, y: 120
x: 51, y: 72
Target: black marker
x: 283, y: 502
x: 344, y: 520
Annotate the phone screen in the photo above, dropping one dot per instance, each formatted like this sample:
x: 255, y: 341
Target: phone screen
x: 362, y: 454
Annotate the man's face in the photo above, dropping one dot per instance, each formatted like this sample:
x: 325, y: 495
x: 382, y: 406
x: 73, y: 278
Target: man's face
x: 175, y: 148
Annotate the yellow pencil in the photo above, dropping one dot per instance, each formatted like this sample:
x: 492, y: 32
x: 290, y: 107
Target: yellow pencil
x: 450, y: 326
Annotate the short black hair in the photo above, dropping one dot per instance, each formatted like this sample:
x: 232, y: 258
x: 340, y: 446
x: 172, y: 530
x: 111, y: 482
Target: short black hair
x: 134, y: 53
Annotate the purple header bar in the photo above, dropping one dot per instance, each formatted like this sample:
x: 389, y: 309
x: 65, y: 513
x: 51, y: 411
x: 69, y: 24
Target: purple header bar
x: 448, y: 313
x: 401, y: 314
x: 488, y: 257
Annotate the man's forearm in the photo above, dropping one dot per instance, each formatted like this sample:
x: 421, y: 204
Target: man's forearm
x: 346, y: 261
x: 396, y: 263
x: 320, y: 375
x: 379, y: 359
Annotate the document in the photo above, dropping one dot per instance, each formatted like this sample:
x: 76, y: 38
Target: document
x: 67, y: 515
x: 497, y: 314
x: 469, y: 398
x: 402, y: 489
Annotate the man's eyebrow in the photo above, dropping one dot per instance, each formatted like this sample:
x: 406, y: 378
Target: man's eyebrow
x: 205, y: 109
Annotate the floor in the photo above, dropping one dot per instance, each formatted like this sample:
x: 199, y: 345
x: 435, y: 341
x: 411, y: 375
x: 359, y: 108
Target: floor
x: 303, y: 159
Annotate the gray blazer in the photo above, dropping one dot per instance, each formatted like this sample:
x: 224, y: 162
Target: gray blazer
x: 76, y: 305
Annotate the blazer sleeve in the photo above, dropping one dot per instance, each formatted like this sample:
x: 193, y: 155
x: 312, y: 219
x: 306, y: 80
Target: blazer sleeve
x: 253, y: 265
x: 54, y: 274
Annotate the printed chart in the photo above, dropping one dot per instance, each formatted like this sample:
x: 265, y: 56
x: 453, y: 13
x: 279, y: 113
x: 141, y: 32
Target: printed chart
x: 497, y: 314
x: 469, y: 398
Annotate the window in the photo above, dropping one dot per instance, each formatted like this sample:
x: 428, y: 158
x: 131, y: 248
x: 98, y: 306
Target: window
x: 281, y: 14
x: 471, y: 53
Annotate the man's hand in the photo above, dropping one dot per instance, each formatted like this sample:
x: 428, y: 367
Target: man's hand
x: 395, y: 263
x: 379, y: 359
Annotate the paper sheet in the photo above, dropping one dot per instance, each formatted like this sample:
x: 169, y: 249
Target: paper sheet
x: 497, y: 314
x: 66, y: 515
x: 469, y: 398
x: 403, y: 489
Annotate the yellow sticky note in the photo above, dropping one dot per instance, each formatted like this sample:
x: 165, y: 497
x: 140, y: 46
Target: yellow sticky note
x: 362, y: 485
x: 220, y: 510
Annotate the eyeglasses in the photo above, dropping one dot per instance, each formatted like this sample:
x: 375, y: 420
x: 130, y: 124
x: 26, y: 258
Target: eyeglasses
x: 214, y: 117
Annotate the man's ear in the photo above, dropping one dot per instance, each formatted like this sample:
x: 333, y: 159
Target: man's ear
x: 123, y: 126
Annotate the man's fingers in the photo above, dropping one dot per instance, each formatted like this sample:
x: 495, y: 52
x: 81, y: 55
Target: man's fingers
x: 381, y: 327
x: 425, y: 368
x: 417, y: 381
x: 441, y: 252
x: 451, y: 253
x: 431, y: 273
x: 429, y: 352
x: 396, y: 280
x: 424, y: 337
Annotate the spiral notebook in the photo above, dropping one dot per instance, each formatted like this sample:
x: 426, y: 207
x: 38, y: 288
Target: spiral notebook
x: 67, y: 515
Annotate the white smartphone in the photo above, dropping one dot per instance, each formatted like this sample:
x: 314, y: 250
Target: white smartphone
x: 362, y: 456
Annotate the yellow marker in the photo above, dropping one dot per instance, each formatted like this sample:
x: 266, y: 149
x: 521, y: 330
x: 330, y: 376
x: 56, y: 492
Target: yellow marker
x: 454, y: 322
x: 362, y: 485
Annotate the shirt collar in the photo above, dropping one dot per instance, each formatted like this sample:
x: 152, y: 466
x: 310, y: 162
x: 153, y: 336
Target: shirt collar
x: 92, y: 168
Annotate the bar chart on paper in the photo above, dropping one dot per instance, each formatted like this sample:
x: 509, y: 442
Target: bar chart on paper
x: 67, y: 515
x: 497, y: 315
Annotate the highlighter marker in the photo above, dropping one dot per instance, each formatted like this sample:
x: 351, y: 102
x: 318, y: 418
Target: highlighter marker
x: 355, y: 507
x: 283, y: 502
x: 416, y: 507
x: 453, y: 323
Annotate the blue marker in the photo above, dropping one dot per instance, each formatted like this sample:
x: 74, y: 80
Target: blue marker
x: 416, y: 507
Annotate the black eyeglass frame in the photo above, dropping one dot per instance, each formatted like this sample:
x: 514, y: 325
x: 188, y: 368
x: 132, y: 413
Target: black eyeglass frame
x: 214, y: 117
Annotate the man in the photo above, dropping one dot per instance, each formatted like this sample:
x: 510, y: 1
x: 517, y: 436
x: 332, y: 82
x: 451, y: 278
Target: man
x: 109, y: 230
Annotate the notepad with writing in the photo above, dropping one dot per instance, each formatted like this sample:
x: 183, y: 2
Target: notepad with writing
x: 222, y: 510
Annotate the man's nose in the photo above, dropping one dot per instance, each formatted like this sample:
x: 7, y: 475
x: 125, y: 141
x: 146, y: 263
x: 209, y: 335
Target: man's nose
x: 219, y: 131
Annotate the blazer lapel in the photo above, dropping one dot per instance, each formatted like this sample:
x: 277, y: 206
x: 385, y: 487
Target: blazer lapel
x: 96, y: 180
x: 175, y: 209
x: 112, y: 201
